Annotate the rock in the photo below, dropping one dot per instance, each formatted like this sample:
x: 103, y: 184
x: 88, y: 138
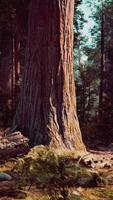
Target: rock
x: 88, y: 162
x: 5, y: 177
x: 88, y: 179
x: 109, y: 180
x: 107, y: 165
x: 75, y: 195
x: 80, y: 189
x: 97, y: 161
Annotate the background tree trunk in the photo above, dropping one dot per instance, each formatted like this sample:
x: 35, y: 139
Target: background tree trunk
x: 5, y: 62
x: 47, y: 108
x: 102, y: 67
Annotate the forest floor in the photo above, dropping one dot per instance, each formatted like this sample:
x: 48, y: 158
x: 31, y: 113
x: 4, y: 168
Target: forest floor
x: 45, y: 174
x: 98, y: 162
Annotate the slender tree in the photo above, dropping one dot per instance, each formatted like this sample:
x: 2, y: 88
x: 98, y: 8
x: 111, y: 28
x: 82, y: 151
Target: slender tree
x: 47, y: 108
x: 102, y: 59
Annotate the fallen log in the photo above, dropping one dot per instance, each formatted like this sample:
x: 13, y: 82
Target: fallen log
x: 12, y: 145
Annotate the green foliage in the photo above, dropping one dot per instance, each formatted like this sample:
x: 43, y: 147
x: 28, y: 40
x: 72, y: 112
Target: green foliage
x: 88, y: 65
x: 54, y: 173
x: 42, y: 166
x: 87, y: 62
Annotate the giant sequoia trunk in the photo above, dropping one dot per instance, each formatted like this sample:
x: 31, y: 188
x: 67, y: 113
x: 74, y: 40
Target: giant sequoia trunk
x: 47, y: 108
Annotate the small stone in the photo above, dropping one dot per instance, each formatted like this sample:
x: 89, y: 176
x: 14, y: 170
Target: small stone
x: 79, y: 189
x: 108, y: 165
x: 5, y: 177
x: 75, y: 195
x: 109, y: 180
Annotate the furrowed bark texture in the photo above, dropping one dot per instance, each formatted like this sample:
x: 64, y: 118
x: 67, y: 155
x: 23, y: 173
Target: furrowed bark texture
x: 47, y: 109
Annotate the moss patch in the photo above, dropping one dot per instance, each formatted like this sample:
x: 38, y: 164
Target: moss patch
x: 44, y: 174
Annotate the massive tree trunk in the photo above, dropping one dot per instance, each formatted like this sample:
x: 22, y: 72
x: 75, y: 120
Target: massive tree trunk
x: 47, y: 108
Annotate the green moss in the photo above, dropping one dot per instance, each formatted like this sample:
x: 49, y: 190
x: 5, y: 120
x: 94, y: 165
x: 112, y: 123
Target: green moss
x: 45, y: 166
x: 55, y: 172
x: 52, y: 176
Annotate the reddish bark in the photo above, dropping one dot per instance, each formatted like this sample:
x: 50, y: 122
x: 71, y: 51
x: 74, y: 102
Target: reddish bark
x: 47, y: 108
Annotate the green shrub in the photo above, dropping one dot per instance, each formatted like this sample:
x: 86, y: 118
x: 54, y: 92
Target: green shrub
x: 53, y: 172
